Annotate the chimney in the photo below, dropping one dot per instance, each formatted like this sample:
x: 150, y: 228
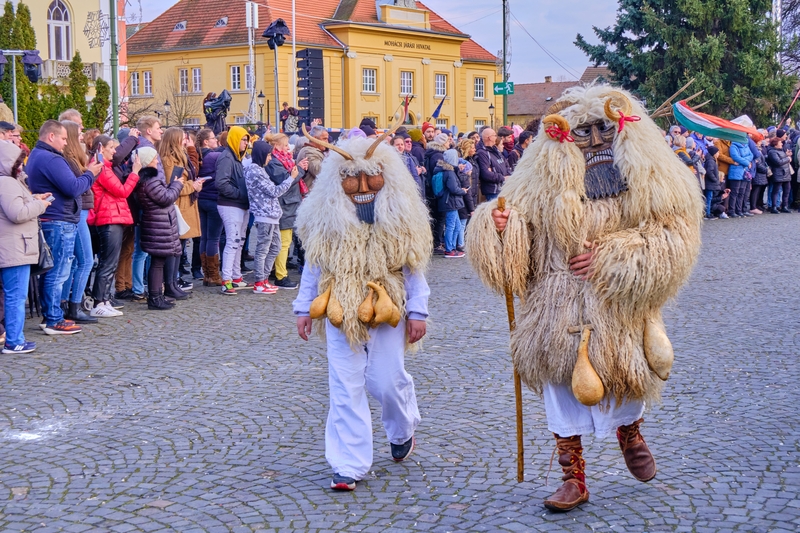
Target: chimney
x: 548, y: 79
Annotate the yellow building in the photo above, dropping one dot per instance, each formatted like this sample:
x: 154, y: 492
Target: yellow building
x: 63, y: 27
x: 374, y: 54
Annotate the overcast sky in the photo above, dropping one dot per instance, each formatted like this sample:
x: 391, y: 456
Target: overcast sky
x: 554, y: 24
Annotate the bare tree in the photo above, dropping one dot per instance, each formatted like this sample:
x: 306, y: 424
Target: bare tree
x: 132, y: 109
x: 790, y: 29
x: 183, y: 105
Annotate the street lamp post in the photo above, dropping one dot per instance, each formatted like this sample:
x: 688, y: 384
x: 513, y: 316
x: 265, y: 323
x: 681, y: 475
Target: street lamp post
x: 276, y: 34
x: 491, y: 114
x: 260, y: 99
x: 167, y: 108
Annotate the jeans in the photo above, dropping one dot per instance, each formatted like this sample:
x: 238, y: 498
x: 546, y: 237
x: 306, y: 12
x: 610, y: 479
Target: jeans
x: 268, y: 246
x: 15, y: 292
x: 75, y: 284
x: 110, y: 237
x: 709, y: 197
x: 139, y: 259
x: 235, y: 221
x: 283, y: 255
x: 780, y: 195
x: 460, y: 243
x: 491, y: 196
x: 60, y: 237
x: 210, y: 227
x: 736, y: 201
x: 452, y: 226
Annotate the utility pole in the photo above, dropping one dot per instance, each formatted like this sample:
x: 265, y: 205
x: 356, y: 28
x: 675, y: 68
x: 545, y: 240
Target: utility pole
x: 505, y: 62
x: 114, y: 66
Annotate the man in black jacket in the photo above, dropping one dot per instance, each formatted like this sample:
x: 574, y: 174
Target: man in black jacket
x: 492, y: 165
x: 433, y: 155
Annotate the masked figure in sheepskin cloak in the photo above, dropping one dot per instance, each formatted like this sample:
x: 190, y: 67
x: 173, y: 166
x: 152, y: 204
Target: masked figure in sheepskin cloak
x: 367, y: 242
x: 601, y: 227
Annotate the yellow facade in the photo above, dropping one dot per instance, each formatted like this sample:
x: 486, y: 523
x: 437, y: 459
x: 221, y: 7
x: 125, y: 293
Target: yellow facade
x: 390, y: 53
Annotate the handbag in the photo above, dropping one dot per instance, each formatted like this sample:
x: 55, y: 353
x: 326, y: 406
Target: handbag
x: 183, y: 227
x: 303, y: 187
x: 45, y: 262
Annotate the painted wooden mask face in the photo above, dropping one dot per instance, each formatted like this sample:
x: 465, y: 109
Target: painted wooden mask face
x: 596, y: 140
x: 362, y: 190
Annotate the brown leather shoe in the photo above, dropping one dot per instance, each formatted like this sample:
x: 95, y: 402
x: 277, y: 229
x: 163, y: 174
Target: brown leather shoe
x: 573, y: 492
x: 639, y: 460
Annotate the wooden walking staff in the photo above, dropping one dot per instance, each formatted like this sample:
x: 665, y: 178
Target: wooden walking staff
x: 512, y: 325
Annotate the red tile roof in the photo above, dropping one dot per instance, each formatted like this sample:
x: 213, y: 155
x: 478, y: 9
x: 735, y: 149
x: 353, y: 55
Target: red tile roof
x: 531, y: 98
x: 201, y: 16
x: 592, y: 73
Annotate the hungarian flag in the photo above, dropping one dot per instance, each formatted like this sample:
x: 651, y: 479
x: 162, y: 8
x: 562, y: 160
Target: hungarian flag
x: 710, y: 125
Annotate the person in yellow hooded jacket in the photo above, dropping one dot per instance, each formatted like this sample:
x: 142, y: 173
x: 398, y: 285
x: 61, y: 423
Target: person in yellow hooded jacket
x: 233, y: 207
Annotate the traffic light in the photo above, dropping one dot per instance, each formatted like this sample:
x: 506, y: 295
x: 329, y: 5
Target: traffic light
x: 310, y: 84
x: 31, y: 63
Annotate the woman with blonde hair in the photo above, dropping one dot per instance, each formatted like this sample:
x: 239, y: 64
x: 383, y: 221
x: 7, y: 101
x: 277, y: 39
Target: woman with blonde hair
x: 75, y: 286
x: 172, y: 151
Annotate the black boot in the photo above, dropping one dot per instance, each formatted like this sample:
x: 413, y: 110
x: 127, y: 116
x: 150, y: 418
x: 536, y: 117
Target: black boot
x: 156, y: 302
x: 172, y: 290
x: 75, y: 312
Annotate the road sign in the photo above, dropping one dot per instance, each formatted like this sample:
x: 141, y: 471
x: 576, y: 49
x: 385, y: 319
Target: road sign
x: 504, y: 88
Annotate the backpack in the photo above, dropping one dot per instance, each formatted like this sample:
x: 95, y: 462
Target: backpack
x: 437, y: 184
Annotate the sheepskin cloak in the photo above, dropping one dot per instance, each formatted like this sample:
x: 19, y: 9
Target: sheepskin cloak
x: 646, y: 241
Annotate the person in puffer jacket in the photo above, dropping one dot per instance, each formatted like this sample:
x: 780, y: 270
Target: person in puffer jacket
x: 266, y: 208
x: 450, y: 201
x: 159, y: 226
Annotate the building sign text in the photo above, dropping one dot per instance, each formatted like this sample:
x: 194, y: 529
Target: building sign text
x: 407, y: 45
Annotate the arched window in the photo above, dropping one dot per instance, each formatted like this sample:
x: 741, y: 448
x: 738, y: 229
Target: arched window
x: 58, y: 31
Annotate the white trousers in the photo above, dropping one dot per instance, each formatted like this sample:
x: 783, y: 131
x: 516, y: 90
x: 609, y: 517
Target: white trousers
x: 566, y: 416
x: 377, y: 368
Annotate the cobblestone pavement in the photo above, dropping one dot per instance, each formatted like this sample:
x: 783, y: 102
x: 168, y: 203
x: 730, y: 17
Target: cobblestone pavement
x: 211, y: 417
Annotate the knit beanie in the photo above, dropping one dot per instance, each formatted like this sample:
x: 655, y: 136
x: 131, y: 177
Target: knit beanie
x: 426, y: 126
x: 416, y: 135
x: 146, y: 155
x: 123, y: 134
x: 369, y: 131
x: 451, y: 157
x: 442, y: 138
x: 780, y: 134
x: 356, y: 132
x: 712, y: 150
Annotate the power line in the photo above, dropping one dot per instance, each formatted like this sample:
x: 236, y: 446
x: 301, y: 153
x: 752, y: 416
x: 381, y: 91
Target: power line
x: 566, y: 68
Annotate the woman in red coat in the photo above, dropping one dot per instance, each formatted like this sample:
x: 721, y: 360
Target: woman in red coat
x: 111, y: 215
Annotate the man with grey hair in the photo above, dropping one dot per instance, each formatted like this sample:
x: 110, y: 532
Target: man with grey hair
x: 74, y: 115
x: 315, y: 153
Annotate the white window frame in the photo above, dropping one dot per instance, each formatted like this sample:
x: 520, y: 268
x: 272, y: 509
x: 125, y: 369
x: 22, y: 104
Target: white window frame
x: 147, y: 86
x: 240, y: 119
x: 66, y: 31
x: 183, y: 80
x: 440, y: 88
x: 369, y: 80
x: 248, y: 79
x: 406, y: 82
x: 134, y: 84
x: 441, y: 123
x: 236, y: 78
x: 191, y: 121
x: 479, y: 123
x: 479, y: 88
x: 197, y: 80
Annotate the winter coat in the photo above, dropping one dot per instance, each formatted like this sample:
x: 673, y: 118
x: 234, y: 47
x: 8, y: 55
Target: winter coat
x: 159, y: 223
x: 712, y: 174
x: 452, y: 195
x: 779, y: 162
x: 264, y: 194
x: 760, y: 166
x: 493, y: 168
x: 411, y: 165
x: 187, y: 202
x: 290, y: 200
x: 741, y: 154
x: 724, y: 160
x: 19, y: 226
x: 465, y: 182
x: 111, y: 197
x: 230, y: 180
x: 512, y: 158
x: 315, y: 157
x: 208, y: 169
x: 701, y: 143
x: 433, y: 155
x: 475, y: 181
x: 48, y: 171
x: 418, y: 151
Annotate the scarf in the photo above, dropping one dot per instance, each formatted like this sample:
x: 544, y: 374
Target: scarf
x: 285, y: 158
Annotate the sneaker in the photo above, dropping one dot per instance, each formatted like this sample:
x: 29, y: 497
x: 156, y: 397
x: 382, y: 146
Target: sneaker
x: 343, y: 483
x: 260, y: 288
x: 785, y: 210
x: 747, y: 214
x: 228, y: 288
x: 287, y: 283
x: 26, y: 347
x: 439, y: 250
x: 197, y: 274
x: 65, y: 327
x: 724, y: 215
x: 126, y: 294
x: 185, y: 285
x: 400, y: 452
x: 461, y: 249
x: 104, y: 310
x: 141, y: 298
x: 269, y: 285
x: 115, y: 303
x: 454, y: 253
x: 245, y: 269
x: 240, y: 283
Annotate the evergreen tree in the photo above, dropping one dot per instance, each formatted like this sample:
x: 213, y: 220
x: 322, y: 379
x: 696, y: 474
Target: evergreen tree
x: 54, y: 101
x: 28, y: 105
x: 729, y: 46
x: 6, y: 24
x: 78, y: 84
x: 98, y: 112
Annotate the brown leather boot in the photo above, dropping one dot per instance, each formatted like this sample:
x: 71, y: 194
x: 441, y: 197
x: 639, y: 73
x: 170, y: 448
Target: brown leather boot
x: 211, y: 272
x: 573, y: 492
x: 639, y: 460
x: 204, y: 268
